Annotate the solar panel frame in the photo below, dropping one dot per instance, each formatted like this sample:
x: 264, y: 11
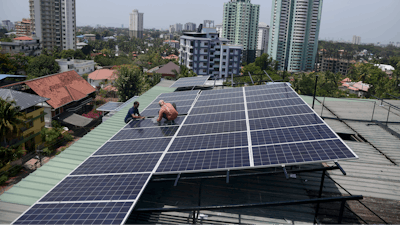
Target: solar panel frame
x: 190, y: 81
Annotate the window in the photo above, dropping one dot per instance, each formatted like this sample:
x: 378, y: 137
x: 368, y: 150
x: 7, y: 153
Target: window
x: 42, y: 118
x: 205, y: 57
x: 224, y: 50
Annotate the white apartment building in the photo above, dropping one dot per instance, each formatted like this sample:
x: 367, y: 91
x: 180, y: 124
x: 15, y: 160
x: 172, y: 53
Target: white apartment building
x: 293, y: 38
x: 262, y: 40
x: 54, y: 22
x: 207, y: 54
x: 80, y: 66
x: 136, y: 24
x: 356, y: 40
x: 219, y: 28
x: 190, y: 26
x: 7, y: 24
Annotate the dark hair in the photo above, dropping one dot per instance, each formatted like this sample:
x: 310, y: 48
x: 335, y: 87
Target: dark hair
x: 136, y: 103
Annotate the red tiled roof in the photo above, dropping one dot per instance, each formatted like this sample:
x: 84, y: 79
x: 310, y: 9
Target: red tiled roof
x: 346, y: 80
x: 24, y: 38
x: 170, y: 57
x: 167, y: 69
x: 61, y: 88
x: 103, y: 74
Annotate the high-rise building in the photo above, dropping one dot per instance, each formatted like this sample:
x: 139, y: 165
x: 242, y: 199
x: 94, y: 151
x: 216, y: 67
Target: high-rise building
x: 172, y: 29
x: 262, y: 40
x: 189, y: 26
x: 293, y: 37
x: 23, y: 28
x: 207, y: 54
x: 219, y: 29
x: 176, y: 28
x: 208, y: 23
x: 54, y: 22
x: 8, y: 25
x: 136, y: 24
x: 356, y: 40
x: 240, y: 26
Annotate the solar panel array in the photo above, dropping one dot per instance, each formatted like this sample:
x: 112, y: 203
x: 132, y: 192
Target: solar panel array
x: 238, y: 128
x: 190, y: 82
x: 109, y: 106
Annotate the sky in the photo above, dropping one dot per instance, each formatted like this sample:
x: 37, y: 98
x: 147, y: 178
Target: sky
x: 372, y: 20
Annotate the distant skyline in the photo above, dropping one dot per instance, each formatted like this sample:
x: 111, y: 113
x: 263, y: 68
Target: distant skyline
x: 372, y: 20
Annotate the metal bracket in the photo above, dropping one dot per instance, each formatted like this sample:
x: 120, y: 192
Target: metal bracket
x: 269, y: 77
x: 341, y: 169
x: 251, y: 78
x: 227, y: 177
x: 284, y: 170
x: 176, y: 180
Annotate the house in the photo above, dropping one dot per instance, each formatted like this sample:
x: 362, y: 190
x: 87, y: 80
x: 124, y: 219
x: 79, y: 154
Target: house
x: 168, y: 70
x: 67, y: 92
x: 358, y: 88
x: 91, y: 37
x: 172, y: 43
x: 6, y: 79
x: 27, y: 45
x: 80, y: 66
x: 103, y: 75
x: 28, y: 134
x: 80, y: 45
x: 173, y: 57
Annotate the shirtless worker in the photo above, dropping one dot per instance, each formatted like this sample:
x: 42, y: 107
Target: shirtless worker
x: 132, y: 111
x: 167, y: 111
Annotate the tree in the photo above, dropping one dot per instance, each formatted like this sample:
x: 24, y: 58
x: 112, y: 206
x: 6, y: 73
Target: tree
x: 10, y: 118
x: 6, y: 65
x: 42, y: 65
x: 130, y: 82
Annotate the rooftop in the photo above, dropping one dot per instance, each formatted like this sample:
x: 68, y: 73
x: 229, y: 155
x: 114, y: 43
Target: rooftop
x: 103, y: 74
x: 22, y: 99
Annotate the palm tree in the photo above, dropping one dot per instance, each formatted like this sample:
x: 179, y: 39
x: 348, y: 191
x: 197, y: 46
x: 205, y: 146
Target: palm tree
x: 10, y: 118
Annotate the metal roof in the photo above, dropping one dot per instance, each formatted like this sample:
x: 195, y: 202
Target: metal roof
x: 22, y: 99
x: 4, y: 76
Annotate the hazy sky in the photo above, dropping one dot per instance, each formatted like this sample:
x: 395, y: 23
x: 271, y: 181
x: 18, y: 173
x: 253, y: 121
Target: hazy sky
x: 373, y: 20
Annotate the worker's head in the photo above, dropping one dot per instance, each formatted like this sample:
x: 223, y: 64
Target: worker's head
x: 161, y: 102
x: 136, y: 104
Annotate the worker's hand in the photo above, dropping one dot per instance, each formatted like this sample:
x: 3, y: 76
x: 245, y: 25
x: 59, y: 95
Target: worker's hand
x: 143, y: 118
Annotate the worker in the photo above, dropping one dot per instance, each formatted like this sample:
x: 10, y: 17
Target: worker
x: 132, y: 111
x: 167, y: 111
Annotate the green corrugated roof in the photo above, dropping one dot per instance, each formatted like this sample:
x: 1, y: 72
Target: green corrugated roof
x: 33, y: 187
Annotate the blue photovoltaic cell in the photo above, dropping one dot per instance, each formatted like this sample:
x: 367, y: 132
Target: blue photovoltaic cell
x: 223, y: 101
x: 285, y: 121
x: 154, y: 112
x: 217, y: 108
x: 109, y: 106
x: 287, y: 135
x: 217, y: 117
x: 190, y: 81
x: 175, y: 98
x: 177, y: 103
x: 205, y: 160
x: 212, y: 141
x: 118, y: 164
x: 259, y: 98
x: 268, y: 91
x: 180, y: 93
x: 210, y: 128
x: 149, y: 123
x: 76, y: 213
x: 166, y: 131
x: 133, y: 146
x: 274, y: 103
x: 98, y: 188
x: 220, y: 96
x: 260, y: 113
x: 263, y: 87
x: 301, y: 152
x: 222, y: 91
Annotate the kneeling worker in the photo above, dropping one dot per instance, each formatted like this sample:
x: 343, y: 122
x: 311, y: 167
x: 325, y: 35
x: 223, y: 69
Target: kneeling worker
x: 132, y: 111
x: 167, y: 111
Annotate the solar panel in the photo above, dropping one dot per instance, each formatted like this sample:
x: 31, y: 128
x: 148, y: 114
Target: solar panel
x: 128, y: 102
x: 267, y: 91
x: 118, y: 164
x: 223, y: 91
x: 210, y: 128
x: 175, y: 98
x: 218, y: 108
x: 76, y: 213
x: 205, y: 160
x: 190, y: 81
x: 220, y: 96
x: 217, y: 117
x: 268, y: 86
x: 149, y: 123
x: 178, y: 103
x: 109, y: 106
x: 146, y: 133
x: 154, y: 112
x: 98, y: 188
x: 210, y: 141
x: 259, y: 98
x: 262, y: 113
x: 286, y: 135
x: 180, y: 93
x: 284, y: 121
x: 224, y: 101
x: 133, y: 146
x: 275, y: 103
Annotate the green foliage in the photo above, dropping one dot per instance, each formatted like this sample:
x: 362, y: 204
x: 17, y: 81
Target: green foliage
x: 87, y: 49
x: 9, y: 154
x: 154, y: 79
x: 10, y: 118
x: 85, y: 76
x: 328, y: 84
x: 55, y: 124
x: 67, y: 137
x: 71, y: 53
x: 7, y: 66
x: 130, y: 82
x: 42, y: 65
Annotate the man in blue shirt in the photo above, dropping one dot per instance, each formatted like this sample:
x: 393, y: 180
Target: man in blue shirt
x: 132, y: 111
